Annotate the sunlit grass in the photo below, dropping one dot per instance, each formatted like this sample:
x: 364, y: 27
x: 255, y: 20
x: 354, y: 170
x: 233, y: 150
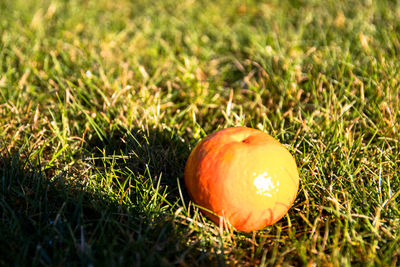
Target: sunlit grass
x: 102, y: 101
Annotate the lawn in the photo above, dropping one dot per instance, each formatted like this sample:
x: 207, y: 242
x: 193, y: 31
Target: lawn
x: 102, y: 101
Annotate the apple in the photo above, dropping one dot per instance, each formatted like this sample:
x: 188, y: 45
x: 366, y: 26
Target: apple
x: 243, y: 176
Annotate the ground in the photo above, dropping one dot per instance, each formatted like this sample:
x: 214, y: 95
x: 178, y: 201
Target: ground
x: 102, y: 101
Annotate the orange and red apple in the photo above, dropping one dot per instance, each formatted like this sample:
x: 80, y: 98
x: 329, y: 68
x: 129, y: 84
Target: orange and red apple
x: 242, y: 175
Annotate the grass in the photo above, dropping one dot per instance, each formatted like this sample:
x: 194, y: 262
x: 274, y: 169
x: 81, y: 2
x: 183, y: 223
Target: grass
x: 102, y: 101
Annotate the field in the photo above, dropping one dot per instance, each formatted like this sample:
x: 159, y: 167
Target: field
x: 102, y: 101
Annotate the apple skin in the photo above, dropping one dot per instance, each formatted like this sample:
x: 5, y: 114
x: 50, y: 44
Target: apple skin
x: 242, y: 175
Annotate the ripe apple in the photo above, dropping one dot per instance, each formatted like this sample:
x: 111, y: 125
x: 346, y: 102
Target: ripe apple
x: 242, y: 175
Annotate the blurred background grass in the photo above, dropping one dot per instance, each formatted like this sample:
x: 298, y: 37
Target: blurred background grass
x: 102, y: 101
